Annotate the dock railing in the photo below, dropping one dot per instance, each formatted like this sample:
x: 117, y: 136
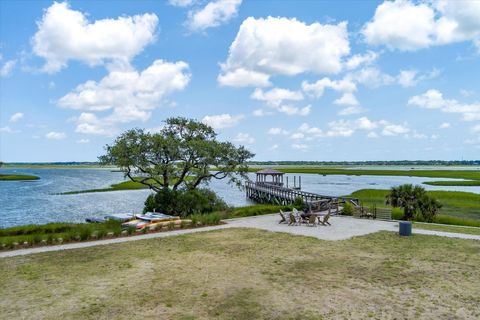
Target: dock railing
x: 264, y: 192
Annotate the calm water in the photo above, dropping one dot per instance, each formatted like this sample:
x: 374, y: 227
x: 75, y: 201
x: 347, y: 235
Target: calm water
x: 27, y: 202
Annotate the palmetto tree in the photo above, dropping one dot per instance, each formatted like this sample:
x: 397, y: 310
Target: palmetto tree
x: 429, y: 208
x: 408, y: 197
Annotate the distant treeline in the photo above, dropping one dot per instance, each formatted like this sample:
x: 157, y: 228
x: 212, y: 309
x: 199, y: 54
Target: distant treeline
x: 370, y: 163
x: 73, y: 163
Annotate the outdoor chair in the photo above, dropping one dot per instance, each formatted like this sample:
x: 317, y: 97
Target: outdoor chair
x: 293, y: 220
x: 325, y: 222
x: 365, y: 213
x: 298, y: 217
x: 285, y: 218
x: 312, y: 221
x: 282, y: 217
x: 304, y: 219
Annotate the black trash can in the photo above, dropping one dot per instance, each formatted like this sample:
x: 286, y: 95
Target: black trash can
x: 405, y: 228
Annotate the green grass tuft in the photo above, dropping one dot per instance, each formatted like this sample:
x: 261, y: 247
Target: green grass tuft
x: 17, y: 177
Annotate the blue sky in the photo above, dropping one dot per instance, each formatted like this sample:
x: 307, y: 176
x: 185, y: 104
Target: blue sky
x: 291, y: 80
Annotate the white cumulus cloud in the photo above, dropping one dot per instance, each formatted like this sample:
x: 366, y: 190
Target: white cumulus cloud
x: 317, y: 88
x: 433, y: 99
x: 65, y: 34
x: 7, y: 129
x: 53, y: 135
x: 129, y: 94
x: 222, y: 121
x: 276, y: 96
x: 213, y: 14
x: 181, y: 3
x: 280, y: 46
x: 277, y: 131
x: 244, y: 138
x: 16, y: 116
x: 7, y: 68
x: 407, y: 25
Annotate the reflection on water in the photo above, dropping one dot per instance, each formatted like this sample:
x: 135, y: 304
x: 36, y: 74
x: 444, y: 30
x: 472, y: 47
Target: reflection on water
x: 35, y: 201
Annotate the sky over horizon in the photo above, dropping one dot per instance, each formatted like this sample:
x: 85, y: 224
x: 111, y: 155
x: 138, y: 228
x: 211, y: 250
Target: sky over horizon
x: 290, y: 80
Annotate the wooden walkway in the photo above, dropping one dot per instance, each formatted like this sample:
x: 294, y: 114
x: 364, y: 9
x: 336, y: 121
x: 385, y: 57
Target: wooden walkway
x: 264, y: 192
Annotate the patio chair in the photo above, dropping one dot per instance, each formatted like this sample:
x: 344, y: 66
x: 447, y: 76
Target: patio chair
x: 298, y: 217
x: 312, y: 221
x: 365, y: 213
x: 293, y: 220
x: 325, y: 222
x: 282, y: 217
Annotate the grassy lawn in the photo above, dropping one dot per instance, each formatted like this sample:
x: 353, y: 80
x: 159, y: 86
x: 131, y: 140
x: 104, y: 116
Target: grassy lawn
x: 248, y: 274
x: 15, y: 177
x: 464, y: 205
x: 456, y: 229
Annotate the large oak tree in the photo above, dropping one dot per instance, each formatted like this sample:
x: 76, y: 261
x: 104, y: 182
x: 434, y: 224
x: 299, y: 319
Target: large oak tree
x: 182, y: 155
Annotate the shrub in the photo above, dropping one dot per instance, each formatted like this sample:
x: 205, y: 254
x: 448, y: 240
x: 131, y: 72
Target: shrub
x: 211, y: 218
x: 415, y: 201
x: 347, y: 209
x: 184, y: 202
x: 85, y: 234
x: 298, y: 203
x: 195, y: 219
x: 397, y: 213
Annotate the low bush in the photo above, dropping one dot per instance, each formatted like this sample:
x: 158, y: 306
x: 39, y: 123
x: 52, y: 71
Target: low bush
x: 211, y: 218
x: 347, y: 209
x: 184, y: 202
x: 298, y: 203
x: 397, y: 213
x: 34, y: 234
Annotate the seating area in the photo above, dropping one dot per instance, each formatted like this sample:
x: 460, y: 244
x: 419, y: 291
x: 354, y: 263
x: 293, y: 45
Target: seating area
x: 311, y: 219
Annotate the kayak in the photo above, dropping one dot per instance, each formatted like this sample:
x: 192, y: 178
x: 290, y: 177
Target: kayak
x: 94, y: 220
x: 137, y: 224
x: 120, y: 216
x: 154, y: 216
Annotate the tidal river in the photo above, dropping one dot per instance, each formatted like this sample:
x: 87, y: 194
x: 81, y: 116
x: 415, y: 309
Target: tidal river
x: 37, y: 202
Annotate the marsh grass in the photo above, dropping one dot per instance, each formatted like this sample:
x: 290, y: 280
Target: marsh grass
x: 125, y: 185
x: 34, y: 234
x: 249, y: 274
x: 458, y: 207
x: 448, y: 228
x: 17, y: 177
x: 466, y: 183
x: 452, y: 174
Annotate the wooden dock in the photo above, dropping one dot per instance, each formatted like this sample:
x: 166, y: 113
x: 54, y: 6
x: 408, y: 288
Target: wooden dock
x: 265, y: 192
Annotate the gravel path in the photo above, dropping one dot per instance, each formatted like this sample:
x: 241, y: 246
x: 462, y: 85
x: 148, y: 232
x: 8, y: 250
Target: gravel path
x: 342, y: 228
